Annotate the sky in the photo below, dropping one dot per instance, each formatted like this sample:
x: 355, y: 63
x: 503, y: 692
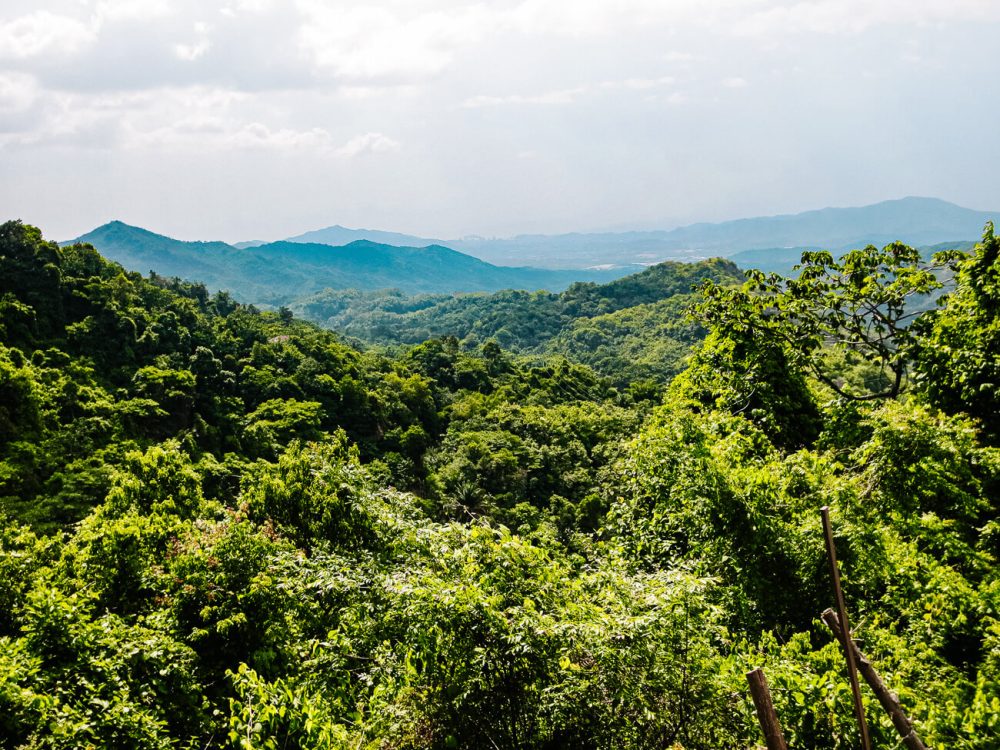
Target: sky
x: 260, y: 119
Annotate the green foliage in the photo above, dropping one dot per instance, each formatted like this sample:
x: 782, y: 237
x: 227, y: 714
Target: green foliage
x: 494, y: 457
x: 22, y: 554
x: 857, y: 304
x: 278, y: 421
x: 742, y: 372
x: 227, y: 528
x: 958, y: 346
x: 813, y: 696
x: 711, y: 492
x: 76, y: 680
x: 172, y: 391
x: 161, y: 480
x: 319, y: 494
x: 646, y: 342
x: 918, y: 461
x: 625, y: 330
x: 283, y: 713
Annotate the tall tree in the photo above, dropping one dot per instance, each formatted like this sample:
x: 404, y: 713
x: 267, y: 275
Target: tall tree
x: 957, y: 351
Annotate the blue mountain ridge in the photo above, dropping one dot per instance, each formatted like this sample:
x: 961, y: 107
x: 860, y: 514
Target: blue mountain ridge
x: 914, y: 220
x: 277, y: 271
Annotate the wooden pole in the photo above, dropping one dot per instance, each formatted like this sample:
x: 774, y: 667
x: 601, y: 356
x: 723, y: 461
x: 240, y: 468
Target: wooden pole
x: 852, y: 673
x: 888, y: 699
x: 765, y: 710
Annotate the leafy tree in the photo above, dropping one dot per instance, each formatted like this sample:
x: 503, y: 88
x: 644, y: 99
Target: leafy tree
x: 173, y: 391
x: 957, y: 356
x: 277, y: 422
x: 858, y: 304
x: 742, y: 371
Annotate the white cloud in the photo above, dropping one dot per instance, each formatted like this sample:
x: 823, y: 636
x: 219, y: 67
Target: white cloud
x: 564, y: 96
x: 131, y: 10
x: 361, y: 93
x: 375, y: 143
x: 394, y: 42
x: 364, y: 42
x: 193, y: 51
x: 642, y: 84
x: 569, y: 95
x: 264, y: 86
x: 257, y: 135
x: 67, y: 120
x: 196, y: 117
x: 675, y: 56
x: 209, y: 119
x: 212, y: 122
x: 200, y: 132
x: 43, y: 33
x: 856, y: 16
x: 597, y: 17
x: 17, y: 92
x: 250, y: 6
x: 594, y: 17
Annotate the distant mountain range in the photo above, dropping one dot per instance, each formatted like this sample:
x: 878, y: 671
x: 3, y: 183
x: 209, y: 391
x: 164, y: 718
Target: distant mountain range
x: 782, y: 260
x: 363, y: 259
x: 278, y: 272
x: 915, y: 221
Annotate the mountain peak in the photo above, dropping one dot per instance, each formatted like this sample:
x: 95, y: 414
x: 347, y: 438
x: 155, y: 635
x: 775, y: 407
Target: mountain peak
x: 119, y: 224
x: 116, y: 226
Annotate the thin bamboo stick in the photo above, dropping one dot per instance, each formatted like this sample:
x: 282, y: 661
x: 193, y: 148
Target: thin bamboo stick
x: 831, y: 552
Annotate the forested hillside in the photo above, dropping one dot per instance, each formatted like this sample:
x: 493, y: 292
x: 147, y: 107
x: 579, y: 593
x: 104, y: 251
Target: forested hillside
x: 278, y: 273
x: 221, y: 527
x: 629, y: 329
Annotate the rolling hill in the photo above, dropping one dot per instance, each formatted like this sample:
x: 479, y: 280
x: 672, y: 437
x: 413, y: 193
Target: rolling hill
x: 278, y: 272
x: 633, y: 328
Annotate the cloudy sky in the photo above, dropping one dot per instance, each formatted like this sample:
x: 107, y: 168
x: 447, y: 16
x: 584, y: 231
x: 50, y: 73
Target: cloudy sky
x: 239, y: 119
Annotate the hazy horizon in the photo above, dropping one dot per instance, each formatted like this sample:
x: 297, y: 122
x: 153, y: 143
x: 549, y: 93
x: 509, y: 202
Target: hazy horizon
x: 391, y: 230
x: 253, y: 119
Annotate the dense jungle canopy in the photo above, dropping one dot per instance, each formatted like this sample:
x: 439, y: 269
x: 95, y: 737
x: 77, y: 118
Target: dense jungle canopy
x: 221, y: 527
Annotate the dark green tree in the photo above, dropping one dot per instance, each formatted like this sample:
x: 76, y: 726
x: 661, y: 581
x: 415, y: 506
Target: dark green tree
x: 957, y: 353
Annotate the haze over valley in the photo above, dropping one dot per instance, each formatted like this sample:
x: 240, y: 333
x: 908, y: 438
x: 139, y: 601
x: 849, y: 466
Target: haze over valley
x: 266, y: 272
x: 915, y: 221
